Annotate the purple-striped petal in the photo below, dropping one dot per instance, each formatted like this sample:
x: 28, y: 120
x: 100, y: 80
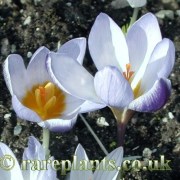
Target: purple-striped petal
x: 154, y: 99
x: 113, y: 88
x: 74, y: 48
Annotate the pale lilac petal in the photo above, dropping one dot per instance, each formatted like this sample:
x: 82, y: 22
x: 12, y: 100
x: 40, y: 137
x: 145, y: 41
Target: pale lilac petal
x: 15, y: 75
x: 62, y: 124
x: 107, y: 44
x: 137, y: 3
x: 24, y: 112
x: 70, y: 76
x: 36, y: 69
x: 15, y: 172
x: 113, y: 88
x: 76, y: 173
x: 154, y: 99
x: 88, y: 106
x: 142, y: 38
x: 160, y: 65
x: 72, y: 104
x: 107, y: 173
x: 74, y: 48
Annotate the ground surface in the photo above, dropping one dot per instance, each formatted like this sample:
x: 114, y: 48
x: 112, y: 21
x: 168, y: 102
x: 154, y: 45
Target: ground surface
x: 58, y: 20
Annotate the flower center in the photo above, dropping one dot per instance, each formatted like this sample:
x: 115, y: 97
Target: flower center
x: 47, y: 100
x: 128, y: 74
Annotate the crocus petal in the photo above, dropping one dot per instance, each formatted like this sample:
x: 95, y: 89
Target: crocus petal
x: 72, y: 104
x: 15, y: 172
x: 76, y: 173
x: 70, y: 76
x: 154, y: 99
x: 36, y: 68
x: 24, y: 112
x: 112, y: 87
x: 142, y: 38
x: 161, y: 64
x: 110, y: 172
x: 34, y: 151
x: 137, y: 3
x: 15, y: 75
x: 74, y: 48
x: 60, y: 125
x: 107, y: 44
x: 88, y: 106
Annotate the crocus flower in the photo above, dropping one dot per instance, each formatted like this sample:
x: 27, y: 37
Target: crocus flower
x: 34, y: 95
x: 132, y: 69
x: 34, y: 151
x: 137, y: 3
x: 104, y: 171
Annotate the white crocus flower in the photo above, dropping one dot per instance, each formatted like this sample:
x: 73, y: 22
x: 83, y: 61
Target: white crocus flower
x: 108, y: 168
x: 34, y: 95
x: 132, y: 69
x: 34, y: 151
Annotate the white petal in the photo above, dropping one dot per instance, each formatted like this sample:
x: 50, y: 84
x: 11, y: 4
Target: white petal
x: 88, y: 106
x: 15, y: 75
x: 107, y: 44
x: 36, y: 69
x: 70, y: 76
x: 112, y: 87
x: 137, y: 3
x: 72, y: 104
x: 154, y: 99
x: 110, y: 172
x: 142, y: 38
x: 161, y: 64
x: 81, y: 155
x: 8, y: 159
x: 74, y: 48
x: 24, y: 112
x: 62, y: 124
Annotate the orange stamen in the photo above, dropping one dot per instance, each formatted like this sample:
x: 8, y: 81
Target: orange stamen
x: 128, y: 74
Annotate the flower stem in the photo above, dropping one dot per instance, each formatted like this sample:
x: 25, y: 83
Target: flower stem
x: 122, y: 118
x: 134, y: 16
x: 46, y: 136
x: 94, y: 135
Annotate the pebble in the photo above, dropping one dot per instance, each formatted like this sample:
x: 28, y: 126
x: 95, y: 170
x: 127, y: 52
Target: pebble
x: 147, y: 153
x: 5, y: 47
x: 13, y: 48
x: 101, y: 121
x: 29, y: 54
x: 118, y: 4
x: 178, y: 12
x: 165, y: 120
x: 171, y: 116
x: 17, y: 130
x: 69, y: 4
x: 7, y: 116
x: 165, y: 13
x: 27, y: 21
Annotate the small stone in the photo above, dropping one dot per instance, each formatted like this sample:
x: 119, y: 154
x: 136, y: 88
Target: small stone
x: 27, y: 21
x: 171, y: 116
x: 165, y: 120
x: 29, y: 54
x: 17, y: 130
x: 5, y: 47
x: 118, y: 4
x: 165, y: 13
x: 76, y: 139
x: 69, y: 4
x: 101, y: 121
x: 178, y: 12
x: 7, y: 116
x: 147, y: 153
x: 13, y: 48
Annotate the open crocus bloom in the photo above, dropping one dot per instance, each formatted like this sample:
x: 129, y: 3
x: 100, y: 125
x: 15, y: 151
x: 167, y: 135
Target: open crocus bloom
x: 34, y: 151
x: 132, y: 69
x: 35, y: 97
x: 104, y: 171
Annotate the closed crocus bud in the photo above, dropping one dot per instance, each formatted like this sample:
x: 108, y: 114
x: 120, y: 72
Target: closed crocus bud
x: 137, y: 3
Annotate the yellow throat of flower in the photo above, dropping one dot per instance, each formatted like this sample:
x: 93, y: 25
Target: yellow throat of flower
x: 128, y: 74
x: 47, y: 100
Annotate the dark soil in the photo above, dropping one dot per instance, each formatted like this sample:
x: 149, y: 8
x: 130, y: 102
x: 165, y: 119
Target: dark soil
x: 58, y: 20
